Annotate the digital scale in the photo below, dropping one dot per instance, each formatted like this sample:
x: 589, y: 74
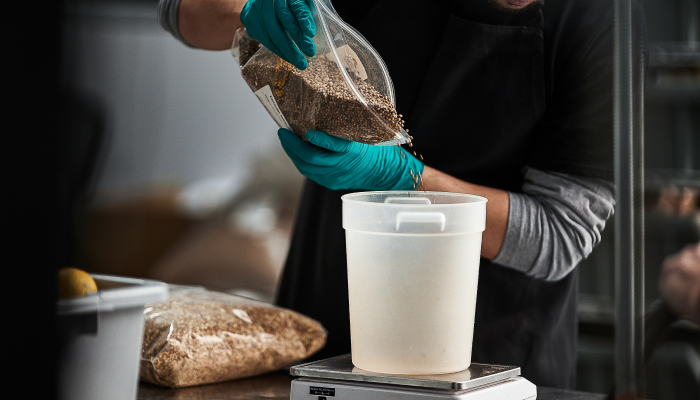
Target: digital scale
x: 337, y: 378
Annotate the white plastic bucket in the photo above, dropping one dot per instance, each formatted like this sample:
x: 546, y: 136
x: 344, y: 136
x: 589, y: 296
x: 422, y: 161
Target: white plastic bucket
x: 413, y: 268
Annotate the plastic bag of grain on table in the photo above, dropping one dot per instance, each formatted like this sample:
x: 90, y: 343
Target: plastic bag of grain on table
x: 345, y: 91
x: 200, y: 336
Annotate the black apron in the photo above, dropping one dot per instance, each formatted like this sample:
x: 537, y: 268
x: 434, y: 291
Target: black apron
x: 471, y: 90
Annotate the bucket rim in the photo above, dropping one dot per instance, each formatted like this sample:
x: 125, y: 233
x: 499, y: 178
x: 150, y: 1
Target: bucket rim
x: 476, y: 199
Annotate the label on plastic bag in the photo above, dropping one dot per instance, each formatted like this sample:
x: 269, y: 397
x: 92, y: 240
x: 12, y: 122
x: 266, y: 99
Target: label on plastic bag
x: 268, y: 101
x: 350, y: 58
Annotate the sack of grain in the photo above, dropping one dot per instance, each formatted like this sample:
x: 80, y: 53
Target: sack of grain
x: 200, y: 336
x: 345, y: 91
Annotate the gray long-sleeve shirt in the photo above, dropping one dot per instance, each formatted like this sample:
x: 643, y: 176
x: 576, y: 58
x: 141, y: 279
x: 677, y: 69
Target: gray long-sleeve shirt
x: 553, y: 224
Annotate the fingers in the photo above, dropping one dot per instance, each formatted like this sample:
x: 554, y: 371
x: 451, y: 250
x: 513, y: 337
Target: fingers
x: 299, y: 28
x: 264, y: 38
x: 289, y: 22
x: 303, y: 14
x: 253, y: 17
x: 329, y: 142
x: 301, y: 165
x: 306, y: 155
x: 285, y: 27
x: 287, y: 49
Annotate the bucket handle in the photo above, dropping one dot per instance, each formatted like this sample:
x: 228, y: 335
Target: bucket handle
x: 407, y: 220
x: 407, y: 200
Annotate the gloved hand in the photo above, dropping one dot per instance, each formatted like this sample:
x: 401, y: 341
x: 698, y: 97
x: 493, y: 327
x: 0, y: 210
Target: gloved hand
x: 343, y: 164
x: 269, y: 21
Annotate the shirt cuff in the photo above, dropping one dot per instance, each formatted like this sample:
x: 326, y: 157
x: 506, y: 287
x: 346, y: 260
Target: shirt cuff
x: 168, y: 18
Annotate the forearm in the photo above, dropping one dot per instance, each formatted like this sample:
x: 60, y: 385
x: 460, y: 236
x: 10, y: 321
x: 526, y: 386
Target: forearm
x: 210, y: 24
x: 496, y: 208
x: 546, y: 230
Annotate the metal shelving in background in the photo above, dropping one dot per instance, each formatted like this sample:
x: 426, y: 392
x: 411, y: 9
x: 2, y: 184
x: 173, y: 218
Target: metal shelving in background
x: 672, y: 171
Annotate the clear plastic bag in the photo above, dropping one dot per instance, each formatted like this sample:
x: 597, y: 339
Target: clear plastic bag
x: 345, y: 91
x: 200, y: 336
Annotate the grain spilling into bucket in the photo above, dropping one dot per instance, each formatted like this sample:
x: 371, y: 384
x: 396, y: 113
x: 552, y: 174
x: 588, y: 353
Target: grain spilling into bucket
x: 416, y: 177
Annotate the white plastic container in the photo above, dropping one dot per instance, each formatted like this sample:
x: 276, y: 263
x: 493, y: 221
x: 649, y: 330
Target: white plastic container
x: 100, y: 338
x: 413, y: 267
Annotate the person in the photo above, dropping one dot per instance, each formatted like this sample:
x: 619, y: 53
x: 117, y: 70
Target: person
x: 679, y: 282
x: 506, y: 99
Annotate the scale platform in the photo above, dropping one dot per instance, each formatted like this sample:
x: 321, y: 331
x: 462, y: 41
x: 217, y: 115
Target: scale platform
x: 336, y: 378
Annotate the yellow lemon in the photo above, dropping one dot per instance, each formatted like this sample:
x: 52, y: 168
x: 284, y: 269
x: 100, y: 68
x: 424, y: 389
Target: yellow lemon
x: 73, y: 282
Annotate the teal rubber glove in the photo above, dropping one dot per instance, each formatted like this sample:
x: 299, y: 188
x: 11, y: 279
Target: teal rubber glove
x: 343, y: 164
x: 282, y: 26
